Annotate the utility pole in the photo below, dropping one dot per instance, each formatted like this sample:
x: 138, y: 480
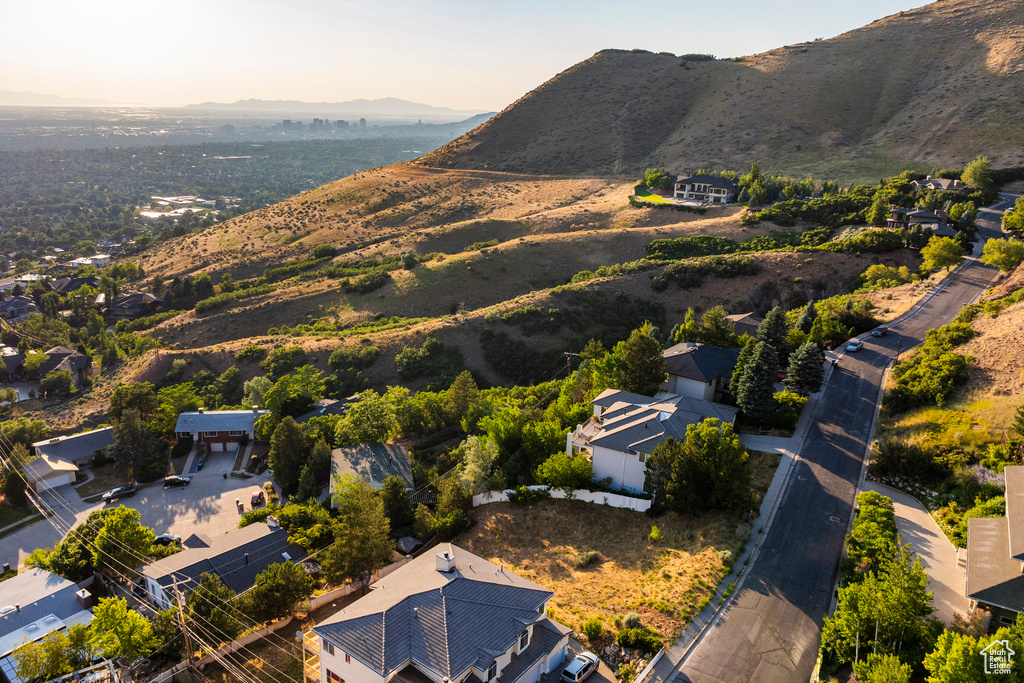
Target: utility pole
x: 568, y: 361
x: 184, y: 628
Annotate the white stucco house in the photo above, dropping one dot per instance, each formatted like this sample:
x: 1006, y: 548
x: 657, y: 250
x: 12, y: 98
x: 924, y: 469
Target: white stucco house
x: 699, y: 371
x: 449, y: 617
x: 626, y: 428
x: 706, y: 188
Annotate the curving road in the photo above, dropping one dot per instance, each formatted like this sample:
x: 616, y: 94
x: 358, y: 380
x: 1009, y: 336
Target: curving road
x: 770, y: 631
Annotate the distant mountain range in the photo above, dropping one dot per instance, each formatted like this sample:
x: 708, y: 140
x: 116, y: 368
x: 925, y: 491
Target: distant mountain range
x: 389, y: 107
x: 30, y: 99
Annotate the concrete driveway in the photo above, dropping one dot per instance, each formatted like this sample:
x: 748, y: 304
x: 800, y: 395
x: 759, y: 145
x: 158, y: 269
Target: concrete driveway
x: 205, y: 506
x: 938, y: 556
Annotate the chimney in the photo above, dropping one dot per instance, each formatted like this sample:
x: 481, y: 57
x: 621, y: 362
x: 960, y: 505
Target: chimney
x: 255, y: 409
x: 445, y: 562
x: 17, y: 608
x: 247, y: 558
x: 84, y: 599
x: 928, y: 178
x: 201, y: 410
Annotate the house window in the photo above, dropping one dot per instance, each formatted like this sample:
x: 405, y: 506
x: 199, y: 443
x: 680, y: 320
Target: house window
x: 328, y: 647
x: 524, y: 640
x: 492, y: 670
x: 335, y: 678
x: 642, y: 456
x: 1006, y: 621
x: 348, y: 658
x: 236, y: 432
x: 210, y: 433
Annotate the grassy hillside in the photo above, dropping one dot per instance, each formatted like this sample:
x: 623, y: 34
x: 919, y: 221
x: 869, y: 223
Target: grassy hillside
x: 936, y: 85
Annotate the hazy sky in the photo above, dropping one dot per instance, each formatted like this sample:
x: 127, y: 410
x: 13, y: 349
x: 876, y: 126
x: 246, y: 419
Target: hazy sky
x: 464, y: 54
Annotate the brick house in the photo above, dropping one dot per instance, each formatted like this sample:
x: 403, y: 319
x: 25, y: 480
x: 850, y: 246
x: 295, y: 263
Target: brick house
x: 218, y: 429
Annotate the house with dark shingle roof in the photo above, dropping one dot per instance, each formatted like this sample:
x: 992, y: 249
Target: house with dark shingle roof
x: 235, y: 558
x: 745, y: 323
x: 699, y: 370
x: 942, y: 184
x: 372, y: 463
x: 626, y: 428
x: 63, y: 358
x: 706, y: 188
x: 995, y: 556
x: 450, y: 616
x: 77, y: 448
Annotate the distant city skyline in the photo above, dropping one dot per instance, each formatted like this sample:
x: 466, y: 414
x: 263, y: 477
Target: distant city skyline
x: 448, y: 53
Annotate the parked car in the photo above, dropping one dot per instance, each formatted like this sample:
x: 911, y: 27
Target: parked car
x: 257, y: 498
x: 854, y: 345
x: 126, y: 491
x: 581, y: 666
x: 880, y: 331
x: 167, y: 539
x: 176, y: 480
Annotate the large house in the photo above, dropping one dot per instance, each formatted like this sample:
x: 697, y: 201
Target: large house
x: 995, y: 555
x: 699, y: 370
x: 218, y: 429
x: 943, y: 184
x: 706, y: 188
x: 46, y: 472
x: 937, y: 221
x: 79, y: 449
x: 626, y: 428
x: 372, y: 463
x: 66, y: 285
x: 34, y: 604
x: 236, y: 558
x: 63, y: 358
x: 134, y: 305
x: 98, y: 260
x: 17, y: 308
x: 452, y: 617
x: 745, y: 323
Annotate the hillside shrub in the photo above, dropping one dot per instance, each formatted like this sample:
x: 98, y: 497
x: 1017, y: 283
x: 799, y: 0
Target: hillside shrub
x: 691, y: 273
x: 215, y: 302
x: 366, y: 283
x: 432, y: 358
x: 325, y: 251
x: 251, y: 354
x: 789, y: 405
x: 144, y: 323
x: 515, y: 360
x: 631, y: 620
x: 930, y: 377
x: 894, y: 457
x: 690, y: 247
x: 533, y: 320
x: 477, y: 246
x: 639, y: 639
x: 584, y: 560
x: 524, y: 495
x: 282, y: 361
x: 593, y: 629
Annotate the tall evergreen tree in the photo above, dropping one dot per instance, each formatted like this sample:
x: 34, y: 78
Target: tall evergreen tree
x: 773, y: 329
x: 757, y: 385
x: 806, y: 372
x: 687, y: 332
x: 806, y: 320
x: 746, y: 351
x: 287, y: 454
x: 716, y: 329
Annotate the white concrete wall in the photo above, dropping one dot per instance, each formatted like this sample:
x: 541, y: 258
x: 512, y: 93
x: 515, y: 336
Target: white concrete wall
x: 624, y: 469
x: 614, y: 500
x: 351, y: 671
x: 691, y: 388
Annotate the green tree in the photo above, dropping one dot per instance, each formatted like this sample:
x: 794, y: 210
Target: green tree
x: 756, y: 386
x: 687, y: 332
x: 706, y: 471
x: 57, y: 383
x: 315, y: 472
x: 566, y: 472
x: 477, y: 456
x: 175, y: 400
x: 942, y: 252
x: 806, y: 371
x: 361, y: 542
x: 637, y: 364
x: 134, y: 445
x: 806, y: 320
x: 1004, y: 254
x: 1018, y: 421
x: 774, y: 329
x: 371, y: 418
x: 977, y: 174
x: 716, y: 329
x: 43, y: 659
x: 167, y: 630
x: 229, y: 386
x: 209, y: 606
x: 395, y: 494
x: 287, y: 455
x: 879, y: 211
x: 277, y: 590
x: 882, y: 669
x: 122, y: 544
x: 746, y: 351
x: 14, y: 488
x: 462, y: 394
x: 121, y: 632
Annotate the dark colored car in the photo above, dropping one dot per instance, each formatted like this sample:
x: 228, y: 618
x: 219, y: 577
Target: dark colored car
x: 167, y: 539
x: 126, y: 491
x: 880, y: 331
x: 257, y: 498
x: 176, y: 480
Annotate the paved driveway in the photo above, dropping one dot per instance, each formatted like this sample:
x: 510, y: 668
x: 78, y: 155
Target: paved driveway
x: 206, y: 506
x: 938, y: 556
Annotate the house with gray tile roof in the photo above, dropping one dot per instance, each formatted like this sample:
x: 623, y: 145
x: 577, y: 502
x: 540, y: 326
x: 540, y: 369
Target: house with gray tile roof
x: 706, y: 188
x: 33, y: 604
x: 448, y: 616
x: 77, y: 448
x: 372, y: 462
x: 941, y: 184
x: 995, y: 553
x: 619, y: 438
x: 699, y: 371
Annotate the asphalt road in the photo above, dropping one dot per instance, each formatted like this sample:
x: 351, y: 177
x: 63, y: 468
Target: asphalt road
x: 771, y: 631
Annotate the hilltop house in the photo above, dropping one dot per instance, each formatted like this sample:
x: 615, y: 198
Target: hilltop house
x: 745, y: 323
x: 626, y: 428
x: 63, y: 358
x: 79, y: 449
x: 372, y: 463
x: 935, y: 221
x: 131, y: 306
x: 34, y: 604
x: 235, y: 558
x: 699, y: 371
x: 17, y: 308
x: 943, y: 184
x: 995, y: 553
x: 706, y: 188
x: 218, y: 428
x: 452, y: 617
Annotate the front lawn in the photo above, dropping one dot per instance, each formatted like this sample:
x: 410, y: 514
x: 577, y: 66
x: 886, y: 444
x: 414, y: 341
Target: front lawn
x: 648, y: 196
x: 10, y: 514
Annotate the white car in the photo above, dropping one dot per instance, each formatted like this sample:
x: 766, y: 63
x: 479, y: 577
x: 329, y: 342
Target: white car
x: 581, y: 666
x: 854, y: 345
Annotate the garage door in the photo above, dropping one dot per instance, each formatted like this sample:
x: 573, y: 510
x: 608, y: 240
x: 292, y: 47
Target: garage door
x: 216, y: 447
x: 54, y: 482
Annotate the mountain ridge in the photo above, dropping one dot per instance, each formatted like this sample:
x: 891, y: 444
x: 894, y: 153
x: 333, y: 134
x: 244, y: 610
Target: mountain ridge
x: 907, y: 87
